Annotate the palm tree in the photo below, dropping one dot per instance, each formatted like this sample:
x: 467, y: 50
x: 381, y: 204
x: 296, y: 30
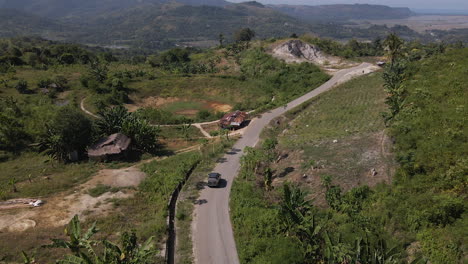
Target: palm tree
x: 185, y: 128
x: 393, y: 45
x: 52, y: 144
x: 393, y: 79
x: 112, y: 119
x: 294, y: 205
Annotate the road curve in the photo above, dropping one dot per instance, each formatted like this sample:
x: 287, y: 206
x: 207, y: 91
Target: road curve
x: 212, y: 235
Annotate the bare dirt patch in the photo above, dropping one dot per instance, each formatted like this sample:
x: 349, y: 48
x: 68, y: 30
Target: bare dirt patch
x: 59, y: 209
x: 161, y: 102
x: 188, y: 112
x: 151, y: 102
x: 154, y: 101
x: 219, y: 107
x: 353, y: 161
x: 211, y: 127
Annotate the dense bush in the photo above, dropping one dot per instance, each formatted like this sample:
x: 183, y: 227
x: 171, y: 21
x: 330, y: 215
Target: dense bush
x: 68, y: 132
x: 13, y: 135
x: 119, y: 120
x: 281, y: 81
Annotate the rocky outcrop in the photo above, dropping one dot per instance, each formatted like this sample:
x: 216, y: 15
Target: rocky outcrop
x: 299, y: 51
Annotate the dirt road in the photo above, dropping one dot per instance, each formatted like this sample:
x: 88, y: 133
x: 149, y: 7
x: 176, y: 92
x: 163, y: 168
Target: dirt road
x: 212, y: 233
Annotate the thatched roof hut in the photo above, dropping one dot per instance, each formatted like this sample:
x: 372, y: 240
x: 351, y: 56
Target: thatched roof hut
x: 111, y: 147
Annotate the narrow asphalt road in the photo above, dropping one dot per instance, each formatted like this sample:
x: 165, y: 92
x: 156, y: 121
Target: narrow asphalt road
x: 212, y: 233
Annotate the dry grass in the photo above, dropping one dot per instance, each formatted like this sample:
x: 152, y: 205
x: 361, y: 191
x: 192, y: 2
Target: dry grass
x: 341, y: 133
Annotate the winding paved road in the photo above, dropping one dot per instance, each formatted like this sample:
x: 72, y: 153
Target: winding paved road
x: 212, y: 233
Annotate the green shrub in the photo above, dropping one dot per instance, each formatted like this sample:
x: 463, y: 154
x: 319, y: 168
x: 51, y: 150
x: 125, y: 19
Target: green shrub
x: 99, y: 190
x: 22, y: 86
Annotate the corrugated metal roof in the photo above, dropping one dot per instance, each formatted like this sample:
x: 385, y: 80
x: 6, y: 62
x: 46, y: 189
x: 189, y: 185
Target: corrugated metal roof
x: 234, y: 118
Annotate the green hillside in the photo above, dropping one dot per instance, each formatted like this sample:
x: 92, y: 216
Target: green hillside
x: 153, y: 24
x: 160, y: 24
x: 17, y: 23
x: 327, y: 186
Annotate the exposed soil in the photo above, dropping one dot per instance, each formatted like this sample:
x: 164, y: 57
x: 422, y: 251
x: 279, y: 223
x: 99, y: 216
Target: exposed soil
x: 188, y: 112
x: 159, y: 102
x: 219, y: 107
x: 297, y: 51
x: 59, y: 209
x: 354, y: 161
x: 151, y: 102
x: 155, y: 102
x: 211, y: 127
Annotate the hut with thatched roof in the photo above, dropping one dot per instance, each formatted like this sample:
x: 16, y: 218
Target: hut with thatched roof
x: 115, y: 146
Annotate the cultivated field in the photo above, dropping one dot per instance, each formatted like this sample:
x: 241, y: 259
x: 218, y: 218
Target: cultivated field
x: 420, y: 23
x: 340, y: 134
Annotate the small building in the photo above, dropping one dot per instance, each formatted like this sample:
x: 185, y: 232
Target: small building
x: 113, y: 147
x: 234, y: 120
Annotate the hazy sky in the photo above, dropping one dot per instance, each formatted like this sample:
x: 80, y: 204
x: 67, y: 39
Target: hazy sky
x: 418, y: 4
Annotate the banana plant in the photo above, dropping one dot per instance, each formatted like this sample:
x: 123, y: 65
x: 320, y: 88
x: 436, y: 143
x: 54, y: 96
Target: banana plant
x: 83, y: 247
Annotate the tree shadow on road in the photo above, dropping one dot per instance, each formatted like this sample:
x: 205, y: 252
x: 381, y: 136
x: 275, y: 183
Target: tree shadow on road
x: 201, y: 185
x: 200, y: 201
x: 221, y: 160
x: 233, y: 151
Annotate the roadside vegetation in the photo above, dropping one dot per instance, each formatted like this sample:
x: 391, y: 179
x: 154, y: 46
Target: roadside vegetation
x: 417, y: 217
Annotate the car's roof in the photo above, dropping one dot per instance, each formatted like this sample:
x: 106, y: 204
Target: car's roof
x: 213, y: 174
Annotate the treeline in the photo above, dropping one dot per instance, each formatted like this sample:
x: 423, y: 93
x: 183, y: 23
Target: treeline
x: 41, y: 54
x: 413, y: 50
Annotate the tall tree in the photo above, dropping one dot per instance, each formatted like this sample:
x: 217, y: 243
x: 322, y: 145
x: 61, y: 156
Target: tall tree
x: 393, y: 45
x: 244, y: 34
x: 221, y: 40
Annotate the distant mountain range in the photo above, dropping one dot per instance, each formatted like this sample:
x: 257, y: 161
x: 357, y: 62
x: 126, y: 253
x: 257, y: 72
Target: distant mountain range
x: 14, y: 23
x: 343, y: 12
x: 159, y: 24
